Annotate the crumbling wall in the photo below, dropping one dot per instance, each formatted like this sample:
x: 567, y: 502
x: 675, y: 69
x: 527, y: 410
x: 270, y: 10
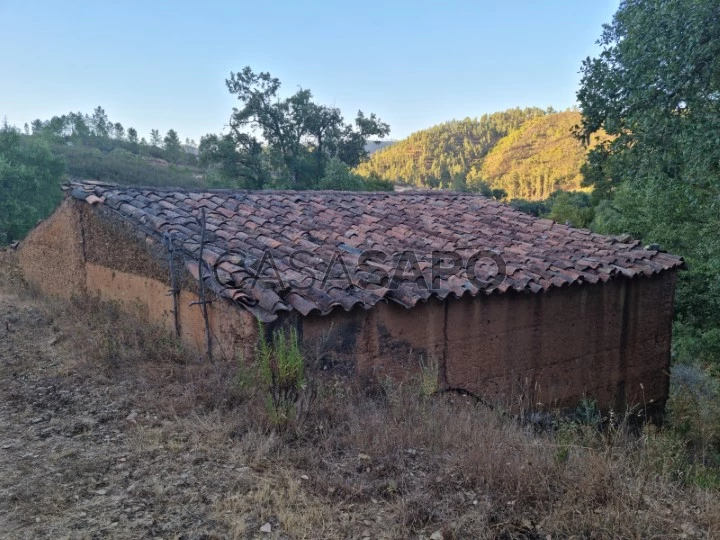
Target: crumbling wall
x: 607, y: 342
x: 82, y: 249
x: 52, y: 255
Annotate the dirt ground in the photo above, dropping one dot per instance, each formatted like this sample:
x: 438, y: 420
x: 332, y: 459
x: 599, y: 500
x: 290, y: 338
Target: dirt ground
x: 108, y: 430
x: 112, y: 450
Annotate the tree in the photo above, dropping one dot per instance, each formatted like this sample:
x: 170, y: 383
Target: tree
x: 119, y: 131
x: 235, y: 165
x: 79, y: 127
x: 338, y: 176
x: 99, y: 123
x: 37, y: 126
x: 301, y: 135
x: 655, y: 89
x: 155, y: 139
x: 171, y: 144
x: 30, y: 178
x: 132, y: 135
x: 350, y: 146
x: 239, y: 165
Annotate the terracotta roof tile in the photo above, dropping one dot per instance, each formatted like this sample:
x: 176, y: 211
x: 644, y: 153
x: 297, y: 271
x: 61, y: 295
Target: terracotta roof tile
x: 537, y: 254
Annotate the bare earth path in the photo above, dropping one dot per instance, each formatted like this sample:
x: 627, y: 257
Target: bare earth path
x: 68, y: 463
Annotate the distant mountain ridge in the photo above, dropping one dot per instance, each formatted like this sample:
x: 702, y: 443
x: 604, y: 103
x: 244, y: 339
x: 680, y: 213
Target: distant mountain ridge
x: 375, y: 146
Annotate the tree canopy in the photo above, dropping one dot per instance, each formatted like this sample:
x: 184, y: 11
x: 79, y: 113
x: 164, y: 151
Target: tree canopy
x: 655, y: 89
x: 298, y: 137
x: 29, y: 183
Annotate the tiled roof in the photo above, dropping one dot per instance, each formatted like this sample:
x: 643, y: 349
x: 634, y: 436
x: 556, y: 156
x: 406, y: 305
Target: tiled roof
x: 538, y: 254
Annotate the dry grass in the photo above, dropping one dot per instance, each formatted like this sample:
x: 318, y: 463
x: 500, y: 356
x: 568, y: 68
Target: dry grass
x: 136, y: 439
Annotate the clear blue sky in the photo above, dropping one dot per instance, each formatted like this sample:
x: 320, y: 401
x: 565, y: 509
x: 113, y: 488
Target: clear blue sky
x: 156, y: 64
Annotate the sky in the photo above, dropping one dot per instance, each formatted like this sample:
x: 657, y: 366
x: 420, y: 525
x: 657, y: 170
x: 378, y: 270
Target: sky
x: 162, y: 65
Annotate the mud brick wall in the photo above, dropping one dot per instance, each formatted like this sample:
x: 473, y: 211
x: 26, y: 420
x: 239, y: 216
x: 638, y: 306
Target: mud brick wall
x: 86, y: 250
x: 386, y: 341
x: 609, y: 342
x: 606, y: 342
x: 52, y: 255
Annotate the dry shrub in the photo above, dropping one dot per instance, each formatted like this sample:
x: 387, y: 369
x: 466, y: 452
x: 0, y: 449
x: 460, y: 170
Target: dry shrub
x: 453, y: 463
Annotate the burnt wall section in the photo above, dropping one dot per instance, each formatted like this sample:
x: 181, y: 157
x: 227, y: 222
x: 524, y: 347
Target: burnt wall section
x: 608, y: 342
x: 52, y: 255
x: 386, y: 341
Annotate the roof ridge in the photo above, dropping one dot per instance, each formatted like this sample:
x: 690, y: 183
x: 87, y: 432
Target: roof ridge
x: 169, y: 189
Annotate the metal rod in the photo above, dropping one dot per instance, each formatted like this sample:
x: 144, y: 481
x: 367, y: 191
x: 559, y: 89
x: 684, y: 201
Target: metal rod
x: 203, y: 301
x: 174, y: 291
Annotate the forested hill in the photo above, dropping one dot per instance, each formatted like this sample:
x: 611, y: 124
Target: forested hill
x: 442, y: 155
x: 527, y: 153
x: 540, y: 157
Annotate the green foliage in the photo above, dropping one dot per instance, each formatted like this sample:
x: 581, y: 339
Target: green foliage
x: 125, y: 167
x: 374, y: 183
x: 229, y: 166
x: 30, y: 177
x: 484, y: 189
x: 96, y: 148
x: 655, y: 90
x: 443, y: 155
x: 132, y: 135
x: 428, y: 380
x: 282, y: 372
x: 338, y: 176
x: 155, y: 138
x: 587, y: 413
x: 171, y: 144
x: 535, y: 208
x: 572, y: 208
x: 300, y: 135
x: 694, y: 417
x: 97, y: 131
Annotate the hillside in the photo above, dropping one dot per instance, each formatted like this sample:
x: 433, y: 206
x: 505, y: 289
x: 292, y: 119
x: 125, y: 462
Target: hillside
x: 117, y: 163
x: 519, y: 153
x: 123, y: 163
x: 538, y: 158
x: 442, y: 155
